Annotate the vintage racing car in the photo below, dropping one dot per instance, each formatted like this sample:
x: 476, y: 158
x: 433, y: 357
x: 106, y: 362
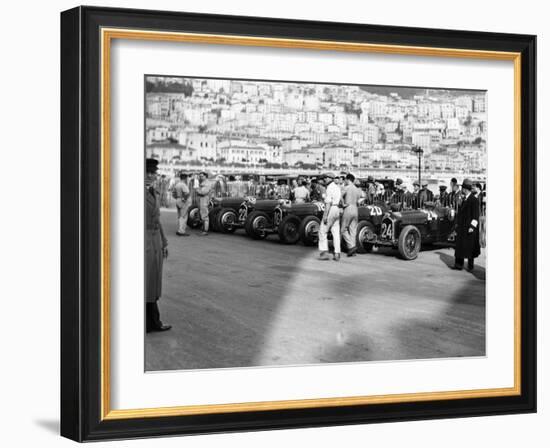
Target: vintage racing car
x: 301, y: 222
x: 408, y: 230
x: 261, y: 220
x: 226, y: 214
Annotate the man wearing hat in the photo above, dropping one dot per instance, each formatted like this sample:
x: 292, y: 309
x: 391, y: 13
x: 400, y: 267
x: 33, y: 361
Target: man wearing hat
x: 467, y: 229
x: 414, y: 199
x: 331, y: 219
x: 398, y: 195
x: 183, y: 202
x: 156, y: 250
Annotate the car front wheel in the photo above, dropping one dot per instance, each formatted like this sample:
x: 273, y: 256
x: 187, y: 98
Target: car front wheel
x: 309, y: 230
x: 226, y: 220
x: 289, y: 230
x: 256, y: 225
x: 409, y: 243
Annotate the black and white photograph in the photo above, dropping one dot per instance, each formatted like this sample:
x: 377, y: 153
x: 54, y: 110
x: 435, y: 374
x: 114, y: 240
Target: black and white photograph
x: 301, y: 223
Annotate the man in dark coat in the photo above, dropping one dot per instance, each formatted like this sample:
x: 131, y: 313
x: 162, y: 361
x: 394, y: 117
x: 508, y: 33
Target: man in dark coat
x: 467, y: 229
x: 156, y: 250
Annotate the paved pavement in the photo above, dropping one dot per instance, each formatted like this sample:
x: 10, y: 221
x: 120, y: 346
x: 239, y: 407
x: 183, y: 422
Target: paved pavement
x: 236, y: 302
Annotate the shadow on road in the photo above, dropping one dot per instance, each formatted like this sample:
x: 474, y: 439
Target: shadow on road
x: 478, y: 272
x: 455, y: 327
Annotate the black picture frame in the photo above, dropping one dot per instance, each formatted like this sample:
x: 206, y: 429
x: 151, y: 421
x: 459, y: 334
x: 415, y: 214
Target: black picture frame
x: 81, y: 224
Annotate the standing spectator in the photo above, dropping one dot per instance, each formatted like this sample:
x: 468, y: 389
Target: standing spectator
x: 317, y: 190
x: 371, y: 189
x: 203, y: 192
x: 467, y: 229
x: 379, y: 190
x: 163, y: 191
x: 293, y: 186
x: 455, y: 198
x: 182, y: 196
x: 350, y: 216
x: 425, y: 195
x: 443, y: 198
x: 301, y: 193
x: 476, y: 189
x: 156, y: 250
x: 415, y: 195
x: 361, y: 191
x: 331, y: 219
x: 399, y: 195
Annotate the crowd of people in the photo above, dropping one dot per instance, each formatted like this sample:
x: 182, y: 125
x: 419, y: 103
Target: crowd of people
x: 341, y: 194
x: 306, y: 188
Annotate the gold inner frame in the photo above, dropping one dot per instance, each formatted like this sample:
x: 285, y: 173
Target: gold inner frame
x: 107, y: 35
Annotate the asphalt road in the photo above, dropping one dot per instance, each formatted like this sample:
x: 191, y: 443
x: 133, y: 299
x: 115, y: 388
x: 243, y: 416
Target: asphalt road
x: 236, y: 302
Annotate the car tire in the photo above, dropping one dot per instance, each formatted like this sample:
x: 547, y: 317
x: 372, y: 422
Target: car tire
x: 254, y: 222
x: 194, y: 217
x: 289, y: 229
x: 409, y: 242
x: 365, y: 232
x: 309, y: 230
x: 226, y: 219
x: 213, y: 218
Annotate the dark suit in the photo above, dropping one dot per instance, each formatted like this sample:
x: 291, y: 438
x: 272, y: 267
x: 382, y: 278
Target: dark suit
x: 467, y: 243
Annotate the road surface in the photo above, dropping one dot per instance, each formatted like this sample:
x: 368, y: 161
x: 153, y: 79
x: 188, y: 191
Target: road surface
x: 237, y: 302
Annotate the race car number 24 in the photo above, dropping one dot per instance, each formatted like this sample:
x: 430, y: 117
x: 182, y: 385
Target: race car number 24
x: 386, y: 231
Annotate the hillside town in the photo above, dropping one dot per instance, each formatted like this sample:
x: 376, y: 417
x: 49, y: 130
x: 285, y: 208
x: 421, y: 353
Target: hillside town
x: 225, y: 125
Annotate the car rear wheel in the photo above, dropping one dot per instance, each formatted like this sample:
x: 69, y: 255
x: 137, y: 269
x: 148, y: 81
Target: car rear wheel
x: 226, y: 220
x: 256, y: 225
x: 366, y: 236
x: 289, y: 229
x: 194, y: 217
x: 409, y: 243
x: 309, y: 230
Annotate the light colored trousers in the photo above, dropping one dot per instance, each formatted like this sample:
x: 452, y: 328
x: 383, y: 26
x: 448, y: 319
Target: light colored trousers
x: 349, y: 226
x: 332, y: 226
x: 183, y: 209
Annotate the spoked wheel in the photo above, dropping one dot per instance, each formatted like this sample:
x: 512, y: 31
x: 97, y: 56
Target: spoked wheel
x: 309, y: 230
x: 256, y: 225
x: 289, y: 230
x: 226, y: 219
x: 409, y: 243
x: 194, y: 217
x: 366, y: 236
